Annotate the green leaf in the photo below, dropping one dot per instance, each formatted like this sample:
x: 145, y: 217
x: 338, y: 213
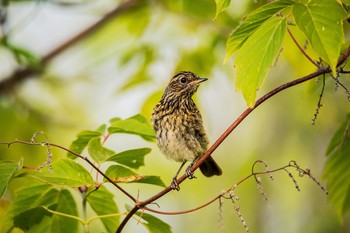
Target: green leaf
x: 22, y: 55
x: 253, y: 21
x: 102, y: 203
x: 321, y: 22
x: 7, y: 170
x: 137, y: 125
x: 131, y: 158
x: 337, y: 171
x: 97, y: 152
x: 28, y: 214
x: 31, y: 197
x: 65, y: 172
x: 83, y: 139
x: 152, y: 224
x: 346, y: 2
x: 25, y: 211
x: 221, y: 5
x: 65, y: 204
x: 257, y: 55
x: 120, y: 174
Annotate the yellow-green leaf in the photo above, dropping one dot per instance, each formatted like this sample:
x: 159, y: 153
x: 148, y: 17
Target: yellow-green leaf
x: 321, y: 22
x: 221, y: 5
x: 97, y: 152
x: 253, y: 21
x: 65, y: 172
x: 7, y: 170
x: 257, y: 55
x: 131, y: 158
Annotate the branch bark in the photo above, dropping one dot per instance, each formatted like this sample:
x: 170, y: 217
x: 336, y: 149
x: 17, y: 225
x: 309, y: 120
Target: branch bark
x: 320, y: 71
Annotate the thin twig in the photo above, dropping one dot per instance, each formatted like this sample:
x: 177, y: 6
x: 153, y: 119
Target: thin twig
x: 76, y: 154
x: 301, y: 49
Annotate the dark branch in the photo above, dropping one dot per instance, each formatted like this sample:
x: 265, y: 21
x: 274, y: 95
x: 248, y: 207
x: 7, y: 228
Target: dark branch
x: 320, y: 71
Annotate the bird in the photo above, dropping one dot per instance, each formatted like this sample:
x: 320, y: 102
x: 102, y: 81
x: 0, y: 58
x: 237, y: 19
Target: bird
x: 178, y: 126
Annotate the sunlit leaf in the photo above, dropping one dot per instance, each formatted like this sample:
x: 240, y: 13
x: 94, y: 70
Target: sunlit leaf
x: 7, y: 170
x: 322, y: 27
x: 83, y: 139
x: 131, y: 158
x: 257, y: 55
x: 97, y: 152
x: 102, y: 203
x: 253, y: 21
x: 120, y: 174
x: 337, y: 170
x: 221, y: 6
x: 65, y: 172
x: 137, y: 125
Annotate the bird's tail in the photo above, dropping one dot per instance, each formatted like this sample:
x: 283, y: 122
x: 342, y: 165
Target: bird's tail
x: 210, y: 168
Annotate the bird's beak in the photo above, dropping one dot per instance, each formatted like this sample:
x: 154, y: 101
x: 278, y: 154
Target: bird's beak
x: 202, y: 80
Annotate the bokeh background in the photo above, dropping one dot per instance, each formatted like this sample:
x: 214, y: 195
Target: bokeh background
x: 121, y: 69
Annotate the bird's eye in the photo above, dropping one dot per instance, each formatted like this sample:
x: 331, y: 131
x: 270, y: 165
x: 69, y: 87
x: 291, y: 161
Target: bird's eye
x: 183, y: 80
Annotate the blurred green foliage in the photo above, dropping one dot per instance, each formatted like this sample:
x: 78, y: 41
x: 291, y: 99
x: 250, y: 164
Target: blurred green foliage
x: 121, y: 69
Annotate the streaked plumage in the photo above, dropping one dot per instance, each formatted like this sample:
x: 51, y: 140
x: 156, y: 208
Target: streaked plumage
x: 178, y: 123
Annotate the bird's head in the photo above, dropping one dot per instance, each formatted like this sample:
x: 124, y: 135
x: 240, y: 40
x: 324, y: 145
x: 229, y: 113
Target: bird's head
x: 184, y: 84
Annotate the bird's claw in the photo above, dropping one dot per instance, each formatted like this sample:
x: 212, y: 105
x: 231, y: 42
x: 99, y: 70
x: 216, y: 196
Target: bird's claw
x: 190, y: 175
x: 174, y: 185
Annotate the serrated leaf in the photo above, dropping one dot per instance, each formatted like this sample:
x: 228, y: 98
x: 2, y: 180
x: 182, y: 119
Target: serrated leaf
x: 83, y: 138
x: 137, y: 125
x: 253, y: 21
x: 132, y: 158
x: 321, y: 22
x: 120, y: 174
x: 221, y: 5
x: 102, y: 203
x: 97, y: 152
x: 65, y: 172
x: 337, y: 171
x: 7, y: 171
x: 257, y: 55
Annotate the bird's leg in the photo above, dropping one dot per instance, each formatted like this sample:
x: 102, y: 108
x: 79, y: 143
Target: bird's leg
x: 190, y: 174
x: 174, y: 184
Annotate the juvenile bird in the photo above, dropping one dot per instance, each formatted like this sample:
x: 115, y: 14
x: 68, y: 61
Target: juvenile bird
x: 178, y: 125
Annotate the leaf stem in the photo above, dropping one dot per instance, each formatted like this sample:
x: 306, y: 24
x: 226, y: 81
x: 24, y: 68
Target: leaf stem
x: 301, y: 49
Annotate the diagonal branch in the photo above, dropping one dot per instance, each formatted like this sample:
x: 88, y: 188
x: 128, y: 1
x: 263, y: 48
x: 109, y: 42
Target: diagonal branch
x: 228, y: 131
x: 21, y: 74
